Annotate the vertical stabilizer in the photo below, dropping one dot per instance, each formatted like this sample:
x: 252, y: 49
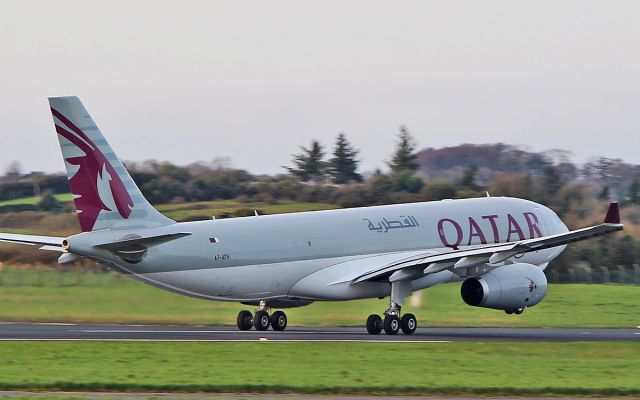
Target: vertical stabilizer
x: 104, y: 194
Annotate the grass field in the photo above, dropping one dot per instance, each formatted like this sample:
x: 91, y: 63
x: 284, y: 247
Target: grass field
x: 213, y: 208
x: 490, y: 368
x: 206, y: 208
x: 42, y: 223
x: 51, y: 296
x: 34, y: 200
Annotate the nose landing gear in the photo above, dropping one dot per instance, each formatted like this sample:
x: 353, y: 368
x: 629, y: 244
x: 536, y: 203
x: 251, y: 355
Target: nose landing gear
x: 261, y: 320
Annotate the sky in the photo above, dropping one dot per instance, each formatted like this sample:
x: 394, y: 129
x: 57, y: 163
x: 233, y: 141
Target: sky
x: 252, y: 81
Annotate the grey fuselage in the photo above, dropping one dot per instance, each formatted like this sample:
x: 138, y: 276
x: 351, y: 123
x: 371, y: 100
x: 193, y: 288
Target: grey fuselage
x: 314, y: 255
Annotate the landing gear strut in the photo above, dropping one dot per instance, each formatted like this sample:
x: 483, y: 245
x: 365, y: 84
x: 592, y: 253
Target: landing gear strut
x: 393, y: 322
x: 261, y: 320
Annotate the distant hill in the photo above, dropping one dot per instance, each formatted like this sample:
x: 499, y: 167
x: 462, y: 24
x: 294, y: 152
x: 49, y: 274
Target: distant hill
x: 450, y: 162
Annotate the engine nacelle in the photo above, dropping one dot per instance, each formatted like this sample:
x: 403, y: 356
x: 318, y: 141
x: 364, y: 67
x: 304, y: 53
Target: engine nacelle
x: 509, y: 287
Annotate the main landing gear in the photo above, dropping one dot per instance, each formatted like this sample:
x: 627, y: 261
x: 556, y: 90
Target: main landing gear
x: 261, y: 319
x: 516, y: 311
x: 393, y: 322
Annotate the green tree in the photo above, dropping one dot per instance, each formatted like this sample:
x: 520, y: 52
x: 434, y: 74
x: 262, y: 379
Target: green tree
x: 14, y: 171
x: 550, y: 181
x: 468, y: 179
x: 604, y: 193
x: 48, y: 203
x: 405, y: 158
x: 309, y: 165
x: 343, y: 165
x: 634, y: 191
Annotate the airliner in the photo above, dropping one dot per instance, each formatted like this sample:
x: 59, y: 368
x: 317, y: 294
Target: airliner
x: 498, y: 247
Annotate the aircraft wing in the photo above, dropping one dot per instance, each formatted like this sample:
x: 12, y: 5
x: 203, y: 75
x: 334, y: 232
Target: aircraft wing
x: 416, y: 266
x: 52, y: 243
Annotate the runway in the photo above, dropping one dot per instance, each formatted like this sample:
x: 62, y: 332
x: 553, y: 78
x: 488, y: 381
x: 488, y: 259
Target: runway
x: 171, y: 333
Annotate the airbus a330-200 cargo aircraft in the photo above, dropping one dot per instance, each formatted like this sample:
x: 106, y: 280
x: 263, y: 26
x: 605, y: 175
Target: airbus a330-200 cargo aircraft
x: 498, y: 247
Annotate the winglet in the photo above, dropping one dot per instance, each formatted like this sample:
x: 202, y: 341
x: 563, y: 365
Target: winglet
x: 613, y: 214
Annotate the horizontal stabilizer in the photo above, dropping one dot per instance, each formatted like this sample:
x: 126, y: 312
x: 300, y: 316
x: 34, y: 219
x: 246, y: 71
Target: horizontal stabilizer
x: 31, y: 239
x: 140, y: 241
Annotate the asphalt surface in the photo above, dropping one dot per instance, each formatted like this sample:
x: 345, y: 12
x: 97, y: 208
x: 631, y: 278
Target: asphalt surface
x: 73, y: 332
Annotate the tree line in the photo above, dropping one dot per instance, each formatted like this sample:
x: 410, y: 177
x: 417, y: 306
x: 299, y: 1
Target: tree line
x: 342, y: 167
x: 313, y: 175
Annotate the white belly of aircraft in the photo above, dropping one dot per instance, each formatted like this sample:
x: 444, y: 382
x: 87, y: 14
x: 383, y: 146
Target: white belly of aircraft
x: 306, y: 279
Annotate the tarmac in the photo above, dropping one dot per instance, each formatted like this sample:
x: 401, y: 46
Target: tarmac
x: 18, y: 331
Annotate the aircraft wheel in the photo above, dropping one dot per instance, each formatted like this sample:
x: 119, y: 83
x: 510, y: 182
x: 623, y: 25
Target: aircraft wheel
x: 245, y: 320
x: 279, y: 321
x: 261, y: 320
x: 518, y: 311
x: 509, y: 311
x: 391, y: 324
x: 374, y: 324
x: 408, y: 324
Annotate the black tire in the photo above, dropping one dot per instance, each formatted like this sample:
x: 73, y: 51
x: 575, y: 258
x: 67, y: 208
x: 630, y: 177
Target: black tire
x: 261, y: 320
x: 245, y: 320
x: 509, y: 311
x: 279, y: 321
x: 391, y: 324
x: 408, y: 324
x: 518, y: 311
x: 374, y: 324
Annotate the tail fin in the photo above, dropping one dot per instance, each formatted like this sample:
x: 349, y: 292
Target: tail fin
x: 104, y: 194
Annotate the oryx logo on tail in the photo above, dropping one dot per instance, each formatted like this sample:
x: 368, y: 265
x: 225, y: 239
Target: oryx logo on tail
x: 95, y: 185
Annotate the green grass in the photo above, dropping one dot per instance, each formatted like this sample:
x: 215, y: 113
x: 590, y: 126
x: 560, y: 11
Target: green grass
x: 51, y: 296
x: 42, y: 223
x: 81, y: 396
x: 51, y: 395
x: 35, y: 200
x: 489, y: 368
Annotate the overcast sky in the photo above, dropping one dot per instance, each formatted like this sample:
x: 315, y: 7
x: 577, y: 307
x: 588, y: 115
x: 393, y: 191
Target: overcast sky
x: 252, y: 80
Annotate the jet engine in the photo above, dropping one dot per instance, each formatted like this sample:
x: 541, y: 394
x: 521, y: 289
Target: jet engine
x: 510, y: 287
